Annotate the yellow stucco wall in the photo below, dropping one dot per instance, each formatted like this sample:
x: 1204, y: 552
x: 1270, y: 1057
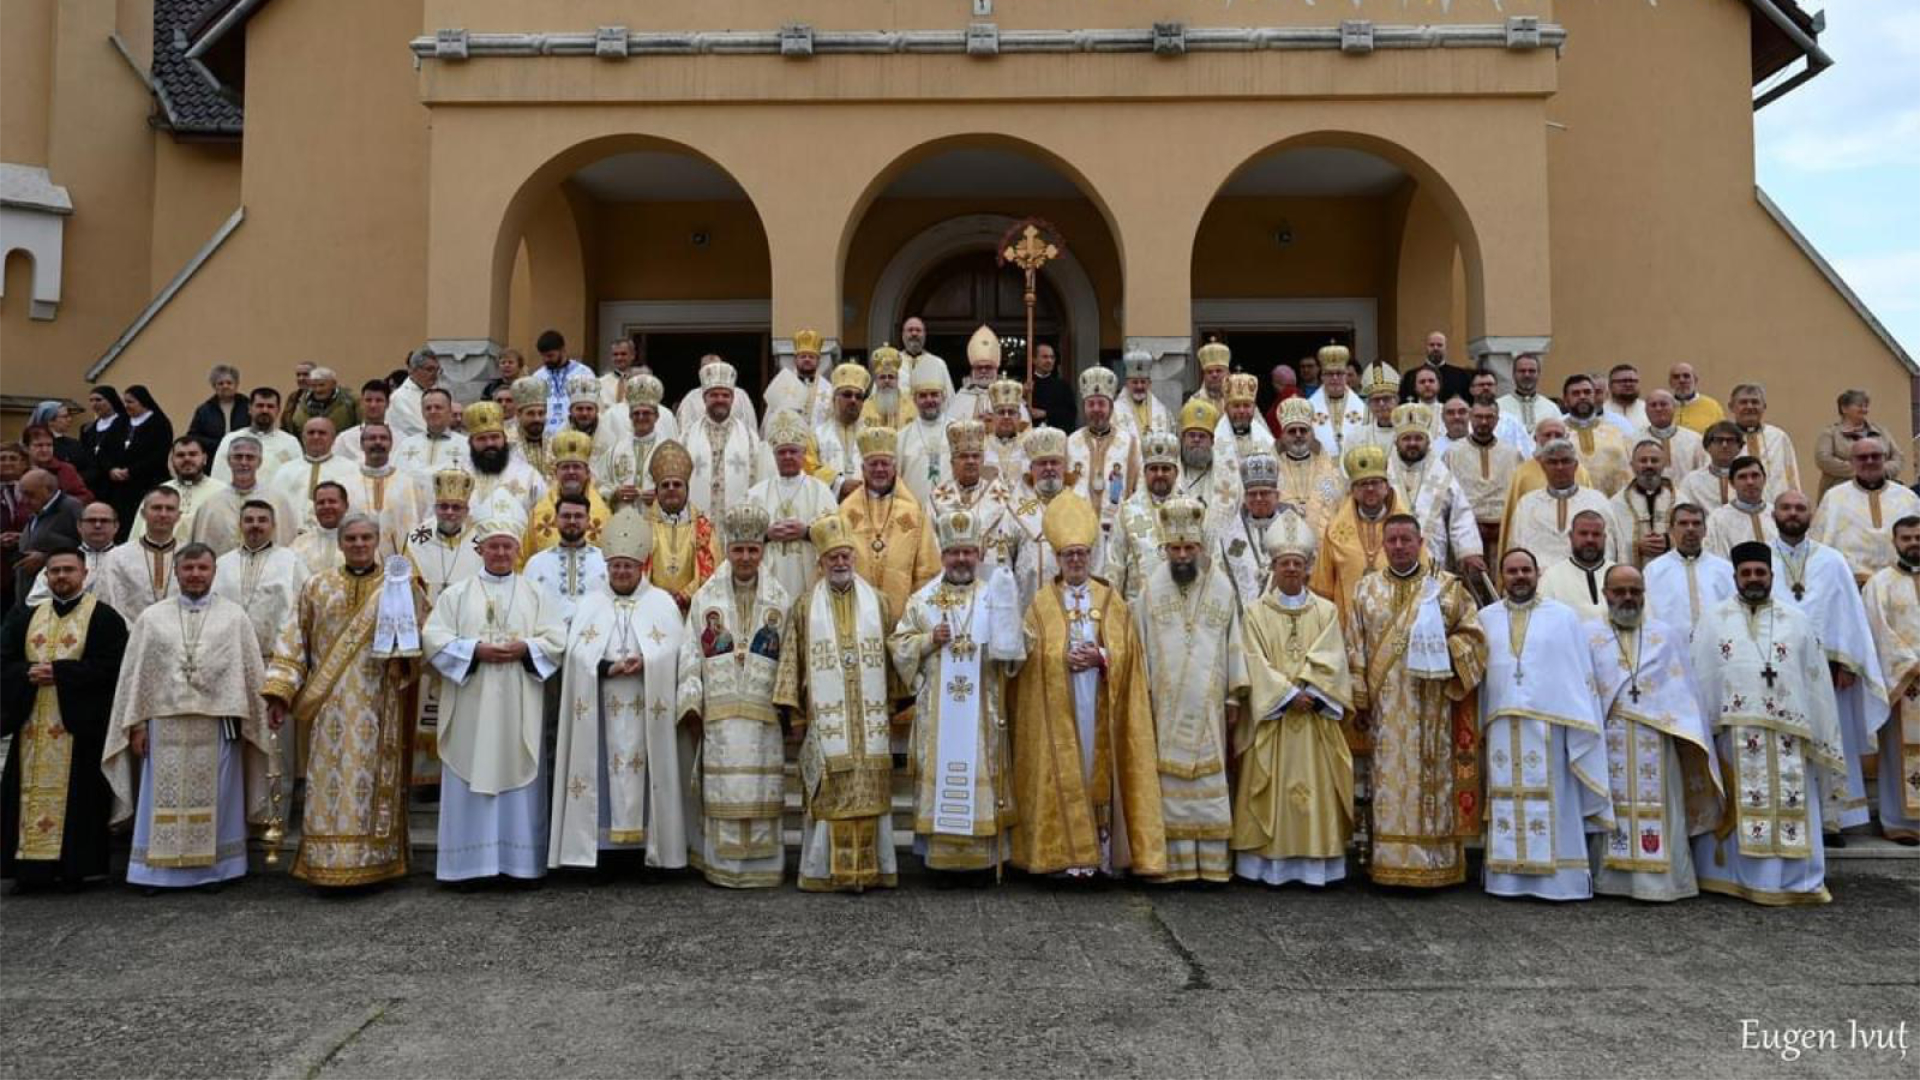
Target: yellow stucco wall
x: 196, y: 186
x: 26, y: 59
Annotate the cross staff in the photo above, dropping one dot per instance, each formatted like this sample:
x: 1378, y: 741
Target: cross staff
x: 1031, y: 251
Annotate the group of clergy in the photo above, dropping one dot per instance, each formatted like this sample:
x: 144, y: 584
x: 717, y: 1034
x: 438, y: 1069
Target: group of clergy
x: 1183, y: 644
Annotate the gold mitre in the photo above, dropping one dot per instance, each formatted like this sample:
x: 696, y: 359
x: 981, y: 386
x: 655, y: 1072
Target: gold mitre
x: 1294, y: 411
x: 877, y: 441
x: 984, y: 347
x: 884, y: 360
x: 626, y: 535
x: 1003, y: 391
x: 966, y: 437
x: 786, y: 429
x: 1199, y: 414
x: 1183, y: 521
x: 745, y: 523
x: 1214, y: 355
x: 483, y: 418
x: 1070, y: 522
x: 454, y: 485
x: 1159, y: 447
x: 1259, y: 470
x: 830, y: 532
x: 1290, y: 535
x: 1243, y: 387
x: 1138, y: 364
x: 718, y: 375
x: 1334, y: 356
x: 670, y: 461
x: 583, y: 388
x: 1379, y: 378
x: 1365, y: 463
x: 1044, y: 442
x: 529, y: 390
x: 1412, y: 418
x: 1099, y: 382
x: 645, y: 389
x: 806, y: 341
x: 959, y: 528
x: 570, y: 445
x: 845, y: 375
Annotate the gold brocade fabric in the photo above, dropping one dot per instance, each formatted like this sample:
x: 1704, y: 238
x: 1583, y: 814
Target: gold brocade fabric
x: 353, y: 712
x: 543, y: 533
x: 1295, y: 798
x: 893, y: 546
x: 1062, y: 810
x: 44, y: 745
x: 1893, y: 611
x: 1425, y: 751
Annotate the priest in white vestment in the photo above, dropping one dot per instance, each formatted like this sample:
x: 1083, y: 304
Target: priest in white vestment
x: 188, y: 707
x: 437, y: 446
x: 1666, y: 788
x: 136, y: 575
x: 188, y: 462
x: 1526, y: 403
x: 1711, y: 485
x: 1139, y: 410
x: 1293, y: 807
x: 407, y: 407
x: 1688, y: 581
x: 1748, y: 516
x: 1643, y: 509
x: 1892, y: 599
x: 1684, y: 449
x: 1424, y: 487
x: 837, y: 435
x: 1340, y: 415
x: 1856, y: 518
x: 1542, y: 520
x: 277, y: 447
x: 1188, y: 625
x: 920, y: 365
x: 955, y: 645
x: 1483, y: 465
x: 1545, y: 746
x: 264, y: 578
x: 1001, y: 532
x: 298, y: 480
x: 1103, y: 460
x: 1134, y: 549
x: 1814, y: 578
x: 1240, y: 548
x: 1747, y: 408
x: 217, y: 524
x: 1579, y: 580
x: 798, y: 389
x: 398, y: 499
x: 922, y: 452
x: 618, y: 778
x: 318, y: 544
x: 572, y: 568
x: 731, y: 693
x: 793, y: 500
x: 1766, y: 691
x: 611, y: 457
x: 728, y: 456
x: 496, y: 468
x: 494, y: 638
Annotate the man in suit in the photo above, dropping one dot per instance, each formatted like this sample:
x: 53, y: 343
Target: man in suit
x: 53, y: 521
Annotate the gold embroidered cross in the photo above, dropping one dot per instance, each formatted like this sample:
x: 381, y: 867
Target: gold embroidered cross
x: 654, y: 635
x: 590, y: 635
x: 960, y: 688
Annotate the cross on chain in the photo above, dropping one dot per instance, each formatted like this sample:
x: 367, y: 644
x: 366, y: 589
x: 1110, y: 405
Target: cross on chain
x: 1769, y: 674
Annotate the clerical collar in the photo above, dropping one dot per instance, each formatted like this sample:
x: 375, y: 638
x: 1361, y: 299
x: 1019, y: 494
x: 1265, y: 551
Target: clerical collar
x: 1567, y: 492
x: 1661, y: 433
x: 630, y: 593
x: 1525, y: 395
x: 1410, y: 573
x: 94, y: 550
x: 1684, y: 557
x: 1585, y: 568
x: 189, y: 483
x: 248, y: 490
x: 1907, y: 568
x: 262, y: 431
x: 1685, y: 398
x: 361, y: 571
x: 1746, y: 507
x: 61, y: 607
x: 1294, y: 602
x: 872, y: 494
x: 437, y: 435
x: 574, y: 545
x: 1788, y: 547
x: 1298, y: 455
x: 1754, y: 430
x: 1239, y: 430
x: 147, y: 542
x: 496, y: 578
x: 1575, y: 421
x: 1658, y: 486
x: 1478, y: 441
x: 1864, y: 486
x: 1365, y: 514
x: 1100, y: 433
x: 1522, y: 605
x: 321, y: 460
x: 263, y: 548
x: 1719, y: 470
x: 376, y: 471
x: 196, y: 603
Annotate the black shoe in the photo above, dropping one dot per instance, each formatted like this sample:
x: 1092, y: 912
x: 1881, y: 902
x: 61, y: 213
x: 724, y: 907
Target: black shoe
x: 1835, y: 840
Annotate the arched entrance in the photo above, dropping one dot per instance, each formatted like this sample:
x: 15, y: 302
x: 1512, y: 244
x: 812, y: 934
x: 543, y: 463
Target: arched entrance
x: 925, y: 244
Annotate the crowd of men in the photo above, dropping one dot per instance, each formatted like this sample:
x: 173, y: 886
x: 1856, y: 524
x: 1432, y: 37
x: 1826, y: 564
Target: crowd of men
x: 1612, y: 639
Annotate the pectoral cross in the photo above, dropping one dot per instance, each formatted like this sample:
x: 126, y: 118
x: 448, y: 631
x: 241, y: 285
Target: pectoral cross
x: 1799, y: 591
x: 1519, y: 676
x: 1634, y: 693
x: 1769, y: 674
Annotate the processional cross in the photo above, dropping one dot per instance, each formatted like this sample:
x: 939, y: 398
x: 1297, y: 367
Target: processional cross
x: 1030, y: 251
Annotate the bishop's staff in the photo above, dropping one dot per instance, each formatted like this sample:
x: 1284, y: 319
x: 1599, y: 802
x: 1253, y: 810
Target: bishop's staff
x: 1031, y: 249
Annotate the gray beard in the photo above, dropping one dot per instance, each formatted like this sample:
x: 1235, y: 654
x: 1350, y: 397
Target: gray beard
x: 1626, y: 619
x: 1048, y: 488
x: 1195, y: 459
x: 448, y: 528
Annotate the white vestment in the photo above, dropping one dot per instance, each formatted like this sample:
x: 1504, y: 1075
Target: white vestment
x: 135, y: 576
x: 1336, y: 423
x: 193, y: 497
x: 1542, y: 522
x: 923, y: 458
x: 1735, y: 523
x: 728, y: 459
x: 569, y: 574
x: 423, y: 454
x: 1680, y: 591
x: 297, y: 479
x: 1529, y: 410
x: 217, y: 524
x: 319, y: 548
x: 1580, y: 588
x: 1685, y: 450
x: 277, y: 448
x: 1859, y: 523
x: 793, y: 563
x: 439, y: 561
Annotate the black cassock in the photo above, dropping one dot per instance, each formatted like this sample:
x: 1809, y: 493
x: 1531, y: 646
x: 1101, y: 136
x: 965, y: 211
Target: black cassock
x: 84, y: 688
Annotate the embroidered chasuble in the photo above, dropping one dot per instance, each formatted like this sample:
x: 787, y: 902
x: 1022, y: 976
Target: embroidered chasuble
x: 1140, y: 417
x: 1604, y: 452
x: 1546, y: 752
x: 135, y: 576
x: 1737, y: 523
x: 1337, y: 421
x: 1761, y: 678
x: 686, y: 549
x: 1775, y: 450
x: 845, y: 761
x: 543, y: 531
x: 519, y: 480
x: 618, y: 780
x: 1660, y: 768
x: 611, y: 461
x: 1814, y: 578
x: 1134, y: 546
x: 193, y: 675
x: 1293, y: 809
x: 793, y: 563
x: 1422, y: 725
x: 893, y: 547
x: 731, y: 685
x: 1427, y: 490
x: 493, y: 792
x: 1085, y: 772
x: 353, y: 710
x: 217, y: 524
x: 54, y: 800
x: 569, y: 573
x: 439, y: 561
x: 924, y: 459
x: 1001, y: 533
x: 1313, y: 485
x: 1859, y: 523
x: 297, y: 479
x: 1892, y: 600
x: 1105, y: 471
x: 963, y: 797
x: 1681, y: 590
x: 728, y: 459
x: 266, y: 584
x: 1193, y: 664
x: 319, y: 549
x: 1707, y: 488
x: 1352, y: 548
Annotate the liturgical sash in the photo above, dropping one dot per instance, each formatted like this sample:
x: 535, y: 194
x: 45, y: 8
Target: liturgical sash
x: 44, y: 745
x: 957, y: 749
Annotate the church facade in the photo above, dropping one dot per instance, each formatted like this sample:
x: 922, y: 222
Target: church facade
x: 258, y: 182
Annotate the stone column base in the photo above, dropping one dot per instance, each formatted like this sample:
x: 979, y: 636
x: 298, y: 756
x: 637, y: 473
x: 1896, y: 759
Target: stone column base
x: 467, y: 365
x: 1173, y: 377
x: 1496, y: 354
